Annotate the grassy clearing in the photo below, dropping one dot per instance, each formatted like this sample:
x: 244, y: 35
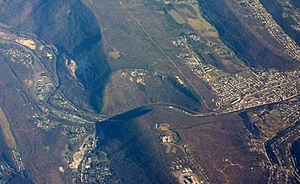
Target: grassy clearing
x: 7, y: 133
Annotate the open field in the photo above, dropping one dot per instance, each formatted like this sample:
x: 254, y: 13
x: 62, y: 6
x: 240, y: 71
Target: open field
x: 7, y: 132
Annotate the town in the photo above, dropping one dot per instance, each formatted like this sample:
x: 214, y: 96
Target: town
x: 274, y: 128
x: 243, y: 90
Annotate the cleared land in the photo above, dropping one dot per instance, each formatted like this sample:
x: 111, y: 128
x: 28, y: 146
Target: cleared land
x: 7, y: 133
